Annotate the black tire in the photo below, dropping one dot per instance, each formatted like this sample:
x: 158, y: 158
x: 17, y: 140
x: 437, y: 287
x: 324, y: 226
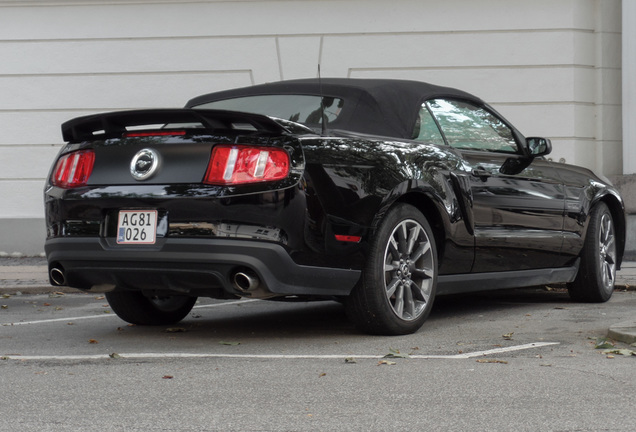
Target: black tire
x: 397, y: 288
x: 597, y: 273
x: 136, y: 308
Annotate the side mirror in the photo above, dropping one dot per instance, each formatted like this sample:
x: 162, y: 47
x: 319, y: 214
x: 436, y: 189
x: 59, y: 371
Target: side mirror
x: 538, y: 146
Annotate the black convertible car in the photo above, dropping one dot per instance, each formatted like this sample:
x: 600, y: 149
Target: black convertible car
x: 378, y: 193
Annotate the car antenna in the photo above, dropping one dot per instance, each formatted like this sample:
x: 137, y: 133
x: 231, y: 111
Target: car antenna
x: 323, y: 117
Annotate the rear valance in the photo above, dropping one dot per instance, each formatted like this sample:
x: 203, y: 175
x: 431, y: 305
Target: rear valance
x: 115, y: 124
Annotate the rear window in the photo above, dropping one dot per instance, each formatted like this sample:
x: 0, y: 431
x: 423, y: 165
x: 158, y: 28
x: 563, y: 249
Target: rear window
x: 303, y: 109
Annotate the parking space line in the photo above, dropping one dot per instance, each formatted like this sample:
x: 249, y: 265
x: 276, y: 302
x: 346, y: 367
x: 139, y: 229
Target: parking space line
x: 71, y: 319
x: 147, y: 356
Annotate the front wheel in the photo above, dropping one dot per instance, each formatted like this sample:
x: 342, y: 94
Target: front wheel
x: 136, y: 308
x: 396, y: 292
x: 597, y: 272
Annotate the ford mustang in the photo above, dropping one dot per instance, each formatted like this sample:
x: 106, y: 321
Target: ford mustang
x: 381, y: 194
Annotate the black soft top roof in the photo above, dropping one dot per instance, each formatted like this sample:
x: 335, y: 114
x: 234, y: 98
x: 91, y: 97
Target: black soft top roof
x: 374, y: 106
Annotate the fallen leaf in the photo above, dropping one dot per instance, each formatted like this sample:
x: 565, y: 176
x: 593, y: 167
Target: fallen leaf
x: 175, y: 330
x: 5, y: 306
x: 492, y: 361
x: 603, y: 343
x: 229, y: 343
x: 92, y: 341
x: 114, y: 356
x: 508, y: 336
x: 167, y: 377
x: 350, y: 360
x: 322, y: 375
x: 393, y: 353
x: 47, y: 304
x: 386, y: 362
x: 623, y: 352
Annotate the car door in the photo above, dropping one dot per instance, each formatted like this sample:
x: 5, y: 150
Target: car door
x: 518, y: 202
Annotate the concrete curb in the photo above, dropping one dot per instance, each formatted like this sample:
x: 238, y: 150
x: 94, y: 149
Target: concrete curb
x: 623, y: 332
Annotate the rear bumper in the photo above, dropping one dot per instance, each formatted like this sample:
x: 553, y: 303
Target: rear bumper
x: 202, y: 267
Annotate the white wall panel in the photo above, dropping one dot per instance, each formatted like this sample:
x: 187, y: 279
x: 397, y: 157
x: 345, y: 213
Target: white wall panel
x: 22, y: 198
x: 606, y: 160
x: 299, y: 56
x: 340, y: 53
x: 141, y: 56
x: 100, y: 19
x: 609, y: 123
x: 26, y: 128
x: 26, y: 162
x: 112, y: 91
x: 552, y: 120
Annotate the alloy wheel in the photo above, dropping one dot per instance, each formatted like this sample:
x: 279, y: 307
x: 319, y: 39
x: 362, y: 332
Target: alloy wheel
x: 408, y: 270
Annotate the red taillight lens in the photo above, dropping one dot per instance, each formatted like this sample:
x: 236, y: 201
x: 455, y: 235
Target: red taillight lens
x: 244, y: 164
x: 73, y: 169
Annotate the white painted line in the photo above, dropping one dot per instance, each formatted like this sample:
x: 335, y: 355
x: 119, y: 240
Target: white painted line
x: 72, y: 319
x: 230, y: 303
x: 138, y: 356
x: 492, y: 351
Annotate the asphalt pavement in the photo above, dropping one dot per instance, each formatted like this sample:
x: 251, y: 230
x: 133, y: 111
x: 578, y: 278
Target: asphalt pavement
x: 28, y: 275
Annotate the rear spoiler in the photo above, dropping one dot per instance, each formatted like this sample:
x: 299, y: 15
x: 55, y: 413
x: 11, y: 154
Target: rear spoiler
x: 115, y: 124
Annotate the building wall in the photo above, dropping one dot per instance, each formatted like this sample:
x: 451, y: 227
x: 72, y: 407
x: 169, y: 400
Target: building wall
x: 552, y: 68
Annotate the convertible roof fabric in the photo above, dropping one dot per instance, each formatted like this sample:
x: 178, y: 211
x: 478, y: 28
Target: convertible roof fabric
x: 383, y: 107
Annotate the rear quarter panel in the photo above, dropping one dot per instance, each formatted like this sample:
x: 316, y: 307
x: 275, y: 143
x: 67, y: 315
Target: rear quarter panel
x: 352, y: 182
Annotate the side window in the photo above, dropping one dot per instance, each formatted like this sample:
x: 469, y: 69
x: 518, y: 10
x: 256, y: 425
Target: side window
x: 469, y: 127
x: 425, y: 128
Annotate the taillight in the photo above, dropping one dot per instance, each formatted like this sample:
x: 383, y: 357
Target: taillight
x: 73, y: 169
x: 244, y: 164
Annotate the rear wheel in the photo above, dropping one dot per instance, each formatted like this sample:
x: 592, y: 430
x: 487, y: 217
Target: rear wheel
x: 136, y: 308
x: 396, y: 292
x: 597, y: 273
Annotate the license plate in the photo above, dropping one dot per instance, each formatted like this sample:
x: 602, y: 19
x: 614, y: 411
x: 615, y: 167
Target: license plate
x: 137, y: 227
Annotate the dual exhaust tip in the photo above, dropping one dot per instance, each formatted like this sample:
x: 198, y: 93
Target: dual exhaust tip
x: 245, y: 281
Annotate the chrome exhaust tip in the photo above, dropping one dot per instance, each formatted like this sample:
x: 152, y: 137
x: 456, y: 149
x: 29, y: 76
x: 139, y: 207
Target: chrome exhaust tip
x: 58, y: 278
x: 246, y: 281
